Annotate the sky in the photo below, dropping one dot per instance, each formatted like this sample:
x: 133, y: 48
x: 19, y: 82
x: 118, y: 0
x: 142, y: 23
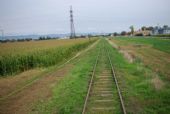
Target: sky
x: 23, y: 17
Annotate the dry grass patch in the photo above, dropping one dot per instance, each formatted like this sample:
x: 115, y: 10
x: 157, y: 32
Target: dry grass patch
x: 40, y: 91
x: 128, y: 54
x: 157, y: 60
x: 157, y: 83
x: 12, y: 83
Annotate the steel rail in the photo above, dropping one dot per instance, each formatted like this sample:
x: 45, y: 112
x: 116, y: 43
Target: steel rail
x: 90, y: 84
x: 117, y: 86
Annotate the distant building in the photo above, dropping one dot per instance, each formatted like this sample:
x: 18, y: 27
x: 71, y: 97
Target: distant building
x: 161, y: 30
x: 143, y: 32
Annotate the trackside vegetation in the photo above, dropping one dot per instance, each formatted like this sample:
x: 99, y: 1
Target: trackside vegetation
x: 137, y: 84
x: 144, y: 91
x: 69, y: 94
x: 14, y: 63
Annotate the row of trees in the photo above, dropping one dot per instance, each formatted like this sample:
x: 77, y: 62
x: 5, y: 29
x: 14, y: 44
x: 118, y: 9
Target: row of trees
x: 123, y: 33
x: 132, y: 30
x: 47, y: 38
x: 27, y: 39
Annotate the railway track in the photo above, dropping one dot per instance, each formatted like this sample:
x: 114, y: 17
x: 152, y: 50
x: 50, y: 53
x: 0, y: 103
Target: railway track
x: 103, y: 96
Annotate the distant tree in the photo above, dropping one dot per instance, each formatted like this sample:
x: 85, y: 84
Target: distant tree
x: 132, y: 29
x: 109, y: 34
x: 42, y: 38
x: 150, y: 28
x: 48, y: 38
x: 20, y: 40
x: 13, y: 40
x: 139, y: 34
x: 123, y: 33
x: 143, y: 28
x: 82, y: 36
x: 28, y: 39
x: 115, y: 33
x: 165, y: 26
x: 89, y: 35
x: 128, y: 33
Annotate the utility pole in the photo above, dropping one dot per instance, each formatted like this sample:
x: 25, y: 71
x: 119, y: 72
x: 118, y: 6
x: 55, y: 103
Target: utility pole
x: 72, y: 29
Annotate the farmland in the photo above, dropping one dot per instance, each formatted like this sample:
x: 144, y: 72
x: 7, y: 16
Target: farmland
x: 18, y: 57
x: 141, y: 67
x: 34, y: 84
x: 31, y: 46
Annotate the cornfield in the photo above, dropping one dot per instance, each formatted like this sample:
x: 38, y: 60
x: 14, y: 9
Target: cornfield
x: 18, y: 62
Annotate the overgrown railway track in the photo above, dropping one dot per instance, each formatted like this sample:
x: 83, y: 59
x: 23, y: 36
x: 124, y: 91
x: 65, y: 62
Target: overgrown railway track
x: 103, y: 95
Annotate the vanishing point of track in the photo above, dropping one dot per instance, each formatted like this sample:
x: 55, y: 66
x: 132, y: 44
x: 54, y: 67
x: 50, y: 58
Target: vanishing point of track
x: 103, y: 95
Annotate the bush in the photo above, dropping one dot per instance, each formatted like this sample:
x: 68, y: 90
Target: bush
x: 139, y: 34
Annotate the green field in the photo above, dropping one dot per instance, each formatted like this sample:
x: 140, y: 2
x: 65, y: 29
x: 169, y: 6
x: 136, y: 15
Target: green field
x: 161, y: 44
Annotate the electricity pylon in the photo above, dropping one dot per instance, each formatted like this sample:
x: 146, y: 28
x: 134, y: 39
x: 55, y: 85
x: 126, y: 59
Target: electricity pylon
x: 72, y: 29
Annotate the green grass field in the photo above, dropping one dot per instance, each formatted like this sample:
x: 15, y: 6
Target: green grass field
x: 161, y: 44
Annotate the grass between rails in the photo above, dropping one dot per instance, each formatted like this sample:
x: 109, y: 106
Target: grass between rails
x: 69, y: 94
x: 103, y: 68
x: 10, y: 64
x: 139, y: 86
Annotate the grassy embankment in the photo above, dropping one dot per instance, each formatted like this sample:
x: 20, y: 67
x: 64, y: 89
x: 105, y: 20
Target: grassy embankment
x: 18, y: 57
x: 145, y: 91
x: 68, y: 95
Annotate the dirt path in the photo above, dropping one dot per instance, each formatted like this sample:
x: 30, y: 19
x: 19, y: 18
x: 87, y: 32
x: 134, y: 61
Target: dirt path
x: 8, y: 85
x: 38, y: 91
x: 23, y: 101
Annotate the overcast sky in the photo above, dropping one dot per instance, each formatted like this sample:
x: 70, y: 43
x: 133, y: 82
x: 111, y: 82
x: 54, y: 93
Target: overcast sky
x: 20, y: 17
